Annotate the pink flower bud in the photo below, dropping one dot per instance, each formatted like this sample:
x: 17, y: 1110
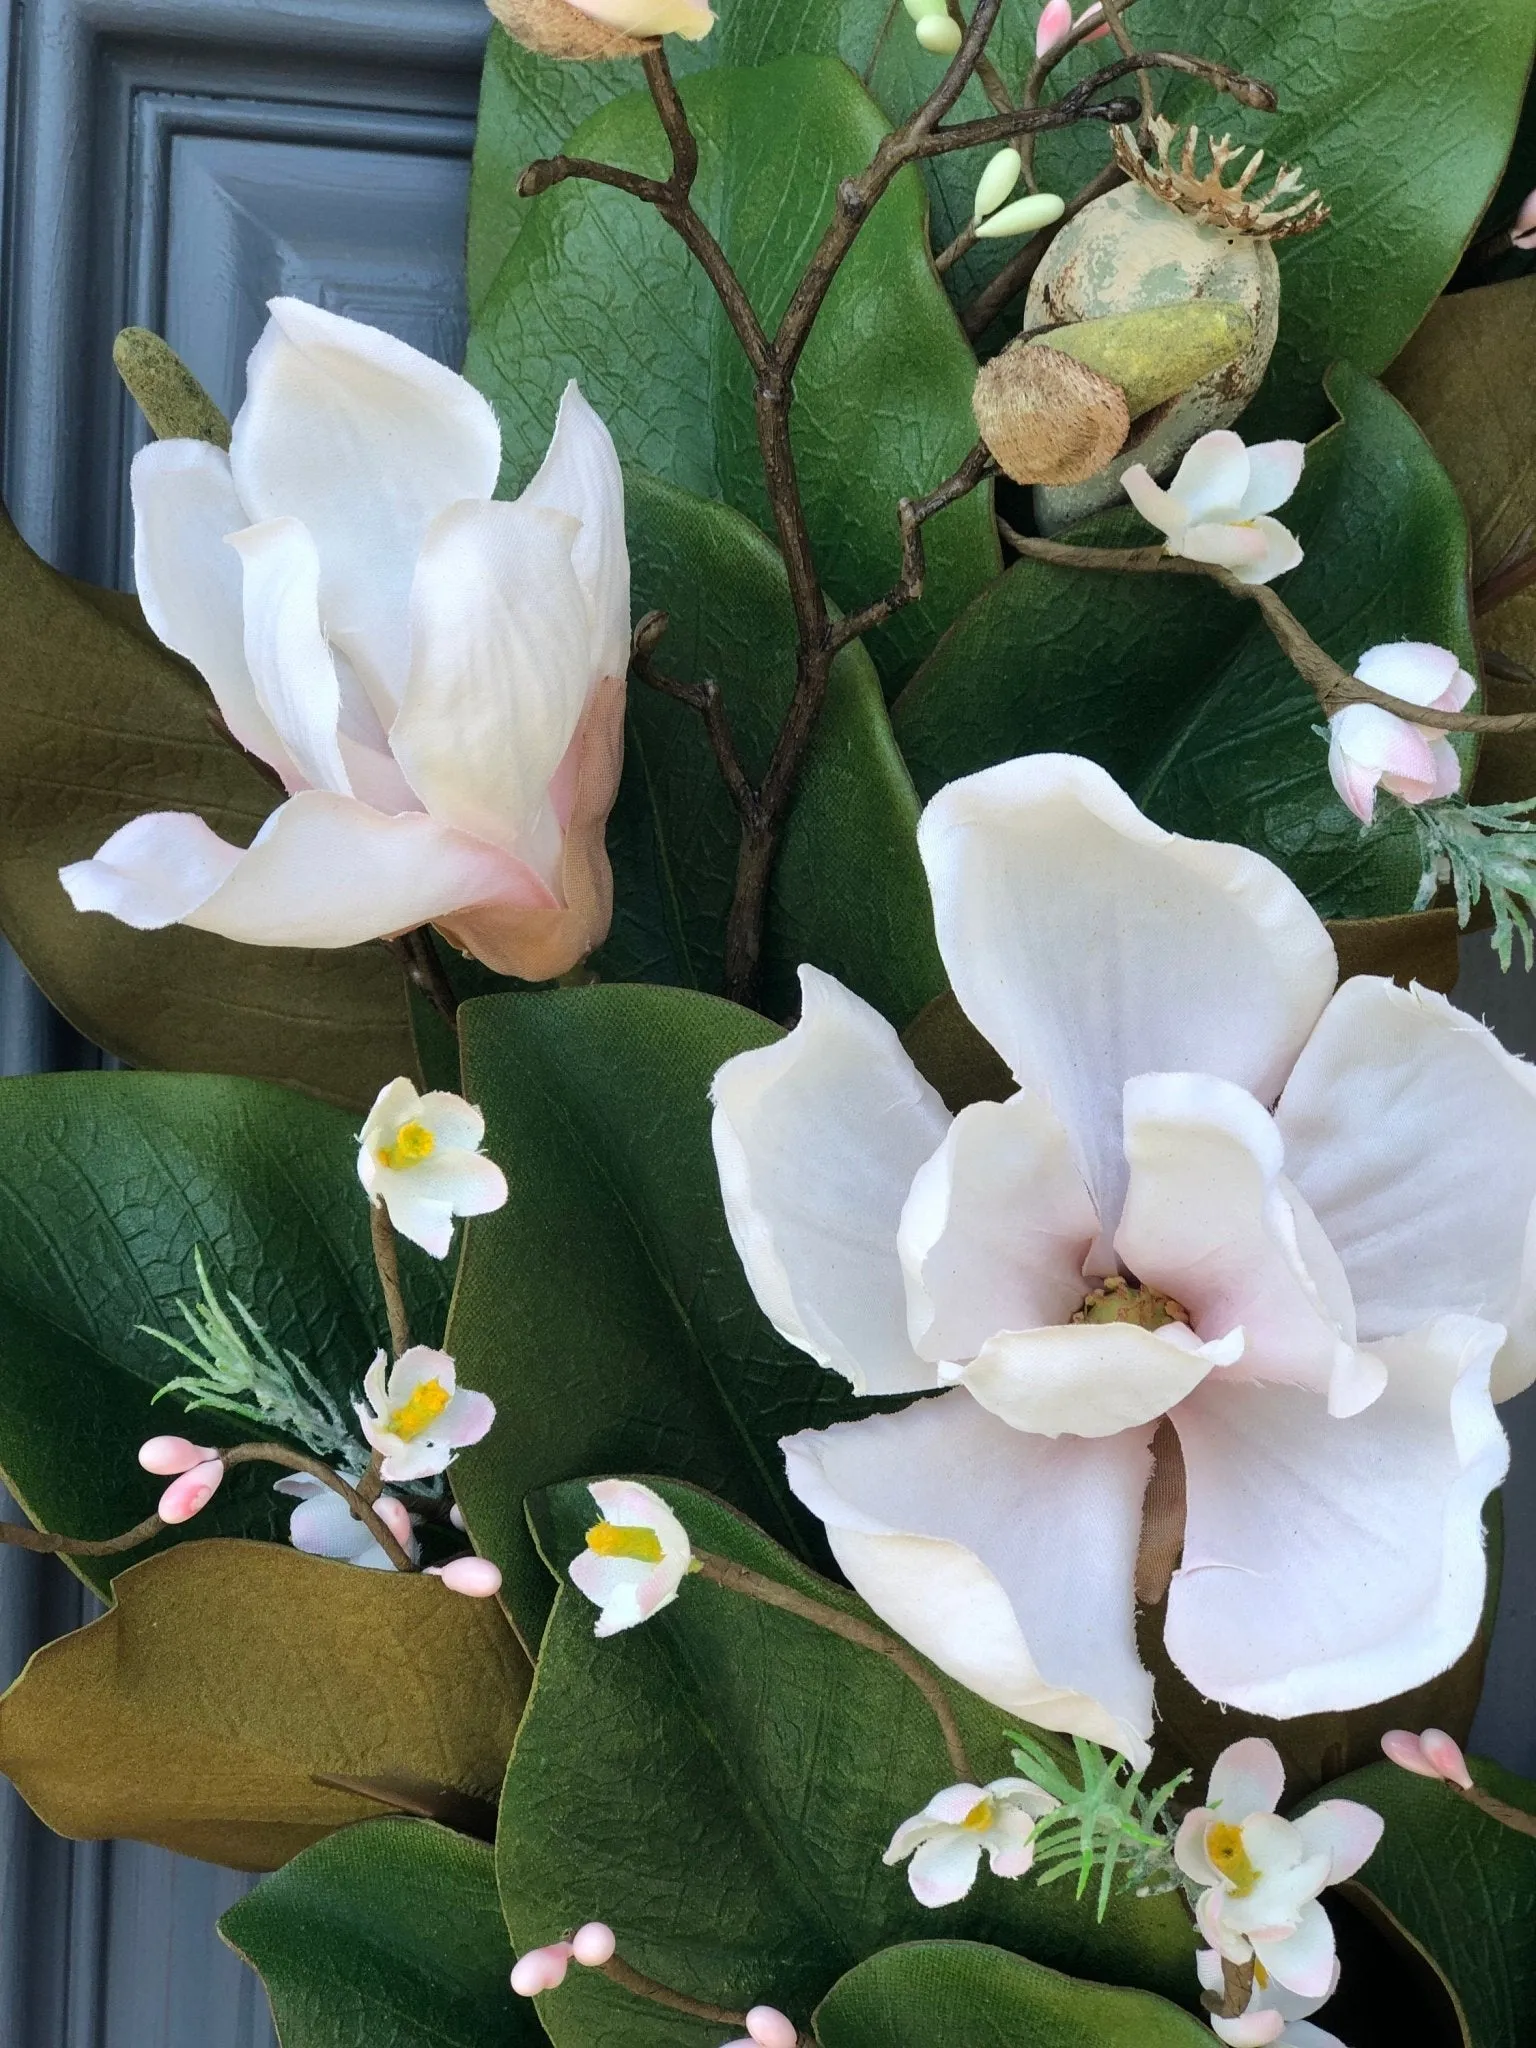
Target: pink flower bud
x: 396, y: 1518
x: 475, y: 1577
x: 1054, y: 23
x: 770, y: 2028
x: 166, y: 1456
x: 1523, y: 233
x: 456, y: 1516
x: 593, y: 1944
x: 191, y: 1493
x: 542, y: 1969
x: 1444, y: 1753
x: 1407, y: 1752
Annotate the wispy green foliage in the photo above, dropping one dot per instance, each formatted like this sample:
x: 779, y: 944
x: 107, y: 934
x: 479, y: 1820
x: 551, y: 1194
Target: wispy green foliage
x: 1108, y: 1821
x: 1478, y: 849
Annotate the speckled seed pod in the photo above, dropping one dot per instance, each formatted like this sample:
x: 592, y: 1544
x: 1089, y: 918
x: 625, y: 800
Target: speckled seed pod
x: 1129, y: 252
x: 554, y: 28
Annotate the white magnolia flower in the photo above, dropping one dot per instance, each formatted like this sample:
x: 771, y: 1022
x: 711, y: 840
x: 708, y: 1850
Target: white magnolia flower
x: 1274, y: 2017
x: 437, y: 678
x: 1370, y: 746
x: 588, y: 30
x: 1328, y: 1193
x: 636, y: 1556
x: 1216, y: 509
x: 417, y: 1414
x: 1261, y: 1875
x: 420, y: 1156
x: 324, y: 1526
x: 946, y: 1840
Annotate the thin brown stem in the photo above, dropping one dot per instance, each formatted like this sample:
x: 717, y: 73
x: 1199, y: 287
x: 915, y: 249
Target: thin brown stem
x: 1112, y: 11
x: 631, y: 1980
x: 912, y: 515
x: 1079, y: 104
x: 1039, y: 72
x: 962, y: 245
x: 1514, y: 571
x: 704, y: 698
x: 386, y: 1257
x: 988, y: 77
x: 1015, y: 275
x: 739, y: 1578
x: 1497, y: 1809
x: 423, y: 970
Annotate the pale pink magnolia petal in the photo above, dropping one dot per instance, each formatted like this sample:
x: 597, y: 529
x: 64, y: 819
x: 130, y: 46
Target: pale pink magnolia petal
x: 1211, y: 481
x: 1447, y: 766
x: 1247, y: 1778
x: 1274, y: 471
x: 1378, y: 1583
x: 1056, y: 900
x: 1403, y: 1748
x: 1414, y: 670
x: 817, y: 1139
x: 1249, y: 2029
x: 366, y: 441
x: 1443, y: 1752
x: 184, y: 507
x: 1006, y: 1559
x: 286, y: 648
x: 770, y: 2028
x: 1282, y: 552
x: 1367, y: 746
x: 995, y: 1229
x: 1412, y: 1135
x: 153, y: 871
x: 1345, y: 1831
x: 1083, y: 1379
x: 1189, y: 1846
x: 581, y: 477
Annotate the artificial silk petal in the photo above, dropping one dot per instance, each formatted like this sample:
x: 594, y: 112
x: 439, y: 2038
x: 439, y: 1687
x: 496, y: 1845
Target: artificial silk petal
x: 1302, y: 1960
x: 1328, y: 1563
x: 1207, y: 1220
x: 366, y: 441
x: 581, y: 477
x: 1412, y: 1135
x: 1211, y: 481
x: 817, y: 1140
x: 1368, y: 746
x: 1005, y: 1559
x: 1247, y: 1778
x: 1277, y: 552
x: 1084, y: 1379
x: 995, y: 1229
x: 1150, y: 499
x: 184, y: 507
x: 499, y: 677
x: 286, y: 648
x: 154, y: 871
x: 1345, y: 1831
x: 1414, y: 670
x: 687, y: 18
x: 1089, y: 945
x: 1274, y: 471
x: 1242, y: 549
x: 944, y: 1869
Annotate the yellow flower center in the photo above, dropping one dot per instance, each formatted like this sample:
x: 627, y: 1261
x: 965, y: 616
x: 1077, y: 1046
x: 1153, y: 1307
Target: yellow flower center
x: 413, y: 1143
x: 619, y: 1539
x: 980, y: 1817
x: 420, y: 1411
x: 1228, y: 1852
x: 1117, y: 1301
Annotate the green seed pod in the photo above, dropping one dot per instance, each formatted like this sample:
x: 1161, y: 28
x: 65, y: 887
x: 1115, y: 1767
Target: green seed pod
x: 169, y: 396
x: 1153, y: 356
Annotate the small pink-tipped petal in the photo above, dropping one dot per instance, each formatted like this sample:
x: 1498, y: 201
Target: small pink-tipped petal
x: 770, y: 2028
x: 1247, y: 1778
x: 1250, y: 2029
x: 1303, y: 1960
x: 1155, y: 505
x: 1274, y: 471
x: 1415, y: 670
x: 1282, y: 552
x: 191, y: 1493
x: 396, y: 1518
x: 168, y: 1456
x: 475, y: 1577
x: 594, y: 1944
x: 542, y: 1969
x: 1443, y: 1752
x: 1447, y: 765
x: 1345, y: 1831
x: 1404, y: 1749
x: 1242, y: 549
x: 1054, y: 23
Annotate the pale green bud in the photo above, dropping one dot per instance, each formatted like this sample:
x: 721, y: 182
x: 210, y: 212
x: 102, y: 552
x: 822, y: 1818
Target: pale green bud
x: 997, y: 181
x: 1156, y: 354
x: 941, y: 35
x: 923, y: 10
x: 1036, y: 210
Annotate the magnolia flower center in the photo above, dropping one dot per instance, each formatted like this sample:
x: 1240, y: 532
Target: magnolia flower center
x: 1119, y: 1301
x: 619, y: 1539
x: 420, y: 1411
x: 1225, y: 1847
x: 413, y: 1142
x: 980, y: 1817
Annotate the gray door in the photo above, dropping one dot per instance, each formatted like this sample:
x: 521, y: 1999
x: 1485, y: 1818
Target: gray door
x: 175, y: 163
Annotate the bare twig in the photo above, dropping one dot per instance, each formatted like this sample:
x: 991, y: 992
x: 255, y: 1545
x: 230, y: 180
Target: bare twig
x: 705, y: 698
x: 386, y: 1257
x: 962, y: 245
x: 1112, y: 11
x: 1040, y: 71
x: 631, y: 1980
x: 424, y: 971
x: 912, y: 515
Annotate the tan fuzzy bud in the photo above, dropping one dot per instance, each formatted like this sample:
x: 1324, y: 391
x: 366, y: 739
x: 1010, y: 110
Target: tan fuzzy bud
x: 1047, y: 418
x: 553, y: 28
x: 1155, y: 355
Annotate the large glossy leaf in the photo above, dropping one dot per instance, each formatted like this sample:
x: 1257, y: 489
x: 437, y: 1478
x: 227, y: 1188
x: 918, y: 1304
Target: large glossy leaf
x: 596, y: 286
x: 1179, y: 690
x: 388, y: 1935
x: 1463, y: 1885
x: 961, y: 1994
x: 604, y: 1308
x: 198, y: 1711
x: 99, y: 724
x: 109, y: 1185
x: 741, y: 1771
x: 674, y: 835
x: 1406, y: 146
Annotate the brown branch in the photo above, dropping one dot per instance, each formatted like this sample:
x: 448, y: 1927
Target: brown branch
x: 1112, y: 10
x: 705, y: 698
x: 1514, y: 571
x: 675, y: 2001
x: 1015, y: 275
x: 738, y: 1578
x: 1039, y: 72
x: 962, y: 245
x: 913, y: 514
x: 1497, y: 1809
x: 386, y: 1258
x: 1079, y: 104
x: 424, y: 971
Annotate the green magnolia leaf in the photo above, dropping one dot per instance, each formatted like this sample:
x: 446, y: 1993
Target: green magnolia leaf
x: 597, y: 287
x: 387, y: 1935
x: 198, y: 1711
x: 674, y: 834
x: 1179, y: 691
x: 1406, y: 153
x: 102, y: 723
x: 604, y: 1308
x: 961, y: 1994
x: 1463, y: 1885
x: 110, y: 1184
x: 741, y: 1771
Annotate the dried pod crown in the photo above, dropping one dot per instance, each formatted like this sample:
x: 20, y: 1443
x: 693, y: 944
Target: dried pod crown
x: 1206, y: 198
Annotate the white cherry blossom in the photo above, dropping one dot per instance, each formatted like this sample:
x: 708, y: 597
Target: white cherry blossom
x: 636, y: 1556
x: 1273, y: 2017
x: 1371, y: 747
x: 1217, y: 507
x: 416, y: 1413
x: 420, y: 1156
x: 1323, y: 1198
x: 947, y: 1839
x: 436, y: 677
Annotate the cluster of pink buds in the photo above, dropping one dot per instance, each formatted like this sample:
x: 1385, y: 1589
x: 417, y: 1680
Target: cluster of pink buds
x: 543, y: 1969
x: 1432, y: 1754
x: 198, y: 1471
x: 1056, y: 22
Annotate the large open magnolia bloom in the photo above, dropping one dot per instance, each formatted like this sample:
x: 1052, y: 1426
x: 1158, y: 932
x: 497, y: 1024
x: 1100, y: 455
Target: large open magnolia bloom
x: 437, y: 678
x: 1291, y: 1220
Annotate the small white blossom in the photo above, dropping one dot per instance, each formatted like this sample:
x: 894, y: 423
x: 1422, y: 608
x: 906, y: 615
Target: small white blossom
x: 636, y: 1556
x: 1370, y: 746
x: 1261, y: 1875
x: 420, y: 1156
x: 1273, y: 2018
x: 324, y: 1526
x: 418, y: 1415
x: 946, y: 1840
x: 1217, y: 507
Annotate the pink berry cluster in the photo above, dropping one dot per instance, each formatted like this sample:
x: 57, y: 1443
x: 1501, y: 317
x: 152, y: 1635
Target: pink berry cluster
x: 543, y: 1969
